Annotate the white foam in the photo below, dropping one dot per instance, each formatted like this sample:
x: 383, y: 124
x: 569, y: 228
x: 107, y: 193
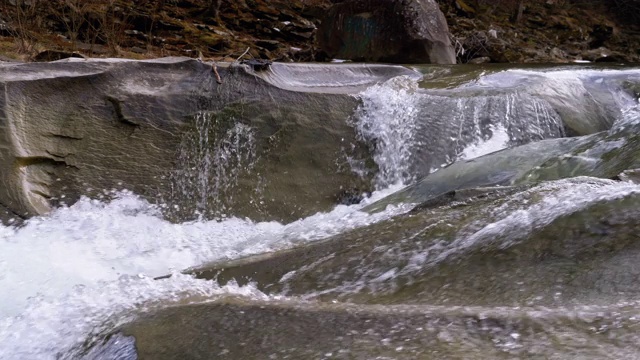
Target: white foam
x: 68, y: 267
x: 54, y: 327
x: 413, y: 130
x: 513, y: 221
x: 93, y: 241
x: 389, y: 119
x: 498, y: 141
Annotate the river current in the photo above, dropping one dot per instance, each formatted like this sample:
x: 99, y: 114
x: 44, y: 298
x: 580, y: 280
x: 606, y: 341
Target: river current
x: 86, y: 270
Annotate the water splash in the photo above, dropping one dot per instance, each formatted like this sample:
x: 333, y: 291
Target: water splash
x: 389, y: 119
x: 60, y: 327
x: 499, y: 140
x: 85, y: 269
x: 128, y: 236
x: 500, y: 226
x: 211, y: 161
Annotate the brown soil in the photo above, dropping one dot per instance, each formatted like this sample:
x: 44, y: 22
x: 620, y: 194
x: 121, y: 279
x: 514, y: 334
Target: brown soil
x: 284, y: 30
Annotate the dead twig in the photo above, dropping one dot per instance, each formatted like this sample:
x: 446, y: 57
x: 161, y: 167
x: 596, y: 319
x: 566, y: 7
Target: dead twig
x: 214, y: 67
x: 243, y: 54
x: 215, y: 71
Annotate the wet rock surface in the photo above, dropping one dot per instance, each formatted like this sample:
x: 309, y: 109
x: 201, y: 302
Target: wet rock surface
x: 495, y: 273
x: 491, y: 255
x: 344, y: 331
x: 464, y: 251
x: 8, y: 217
x: 167, y: 130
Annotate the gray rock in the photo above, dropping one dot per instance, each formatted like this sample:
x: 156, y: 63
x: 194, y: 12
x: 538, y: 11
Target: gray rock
x: 603, y: 155
x: 53, y: 55
x: 632, y: 175
x: 399, y: 31
x: 480, y: 60
x: 7, y: 217
x: 558, y: 53
x: 501, y: 247
x: 167, y: 131
x: 274, y: 329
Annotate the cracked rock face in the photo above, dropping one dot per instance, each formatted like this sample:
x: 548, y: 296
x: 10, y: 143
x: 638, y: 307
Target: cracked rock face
x: 76, y: 128
x: 161, y: 128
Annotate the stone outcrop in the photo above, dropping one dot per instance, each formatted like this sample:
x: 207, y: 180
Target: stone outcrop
x: 399, y: 31
x: 446, y: 253
x: 405, y: 287
x: 548, y: 31
x: 601, y: 155
x: 168, y: 131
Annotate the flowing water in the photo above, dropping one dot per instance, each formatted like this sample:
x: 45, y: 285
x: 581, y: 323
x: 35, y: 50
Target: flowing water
x: 398, y: 283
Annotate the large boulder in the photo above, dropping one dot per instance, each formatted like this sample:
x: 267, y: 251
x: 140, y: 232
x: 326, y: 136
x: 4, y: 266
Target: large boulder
x: 166, y: 130
x: 398, y: 31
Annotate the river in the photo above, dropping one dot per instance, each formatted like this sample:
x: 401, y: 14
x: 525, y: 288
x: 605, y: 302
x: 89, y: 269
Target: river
x: 538, y: 259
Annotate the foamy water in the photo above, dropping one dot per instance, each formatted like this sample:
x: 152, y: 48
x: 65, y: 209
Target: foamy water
x: 509, y: 224
x: 65, y: 274
x: 414, y: 131
x: 499, y: 140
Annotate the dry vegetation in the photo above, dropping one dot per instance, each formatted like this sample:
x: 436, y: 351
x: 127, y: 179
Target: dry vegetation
x: 150, y: 28
x: 285, y: 29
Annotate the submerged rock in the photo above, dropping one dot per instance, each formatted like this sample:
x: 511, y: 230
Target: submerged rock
x: 8, y: 217
x: 399, y: 31
x: 560, y: 243
x: 245, y: 329
x: 632, y: 175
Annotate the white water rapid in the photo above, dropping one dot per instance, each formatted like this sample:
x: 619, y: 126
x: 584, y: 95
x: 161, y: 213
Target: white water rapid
x: 65, y: 274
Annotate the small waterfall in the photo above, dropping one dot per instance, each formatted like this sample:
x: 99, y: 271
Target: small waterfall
x: 414, y: 131
x: 211, y: 161
x: 92, y: 265
x: 389, y: 119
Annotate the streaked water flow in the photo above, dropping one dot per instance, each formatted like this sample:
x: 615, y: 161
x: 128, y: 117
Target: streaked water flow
x: 416, y: 132
x: 211, y: 159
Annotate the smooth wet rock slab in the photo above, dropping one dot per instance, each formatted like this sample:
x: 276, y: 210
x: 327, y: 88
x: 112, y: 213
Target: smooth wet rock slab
x: 559, y: 243
x: 165, y: 129
x: 244, y: 329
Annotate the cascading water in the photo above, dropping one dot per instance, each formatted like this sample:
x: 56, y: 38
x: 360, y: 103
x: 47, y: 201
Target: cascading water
x: 415, y: 131
x: 83, y: 271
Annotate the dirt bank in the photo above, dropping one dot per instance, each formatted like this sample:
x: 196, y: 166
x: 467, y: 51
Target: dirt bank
x: 284, y: 30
